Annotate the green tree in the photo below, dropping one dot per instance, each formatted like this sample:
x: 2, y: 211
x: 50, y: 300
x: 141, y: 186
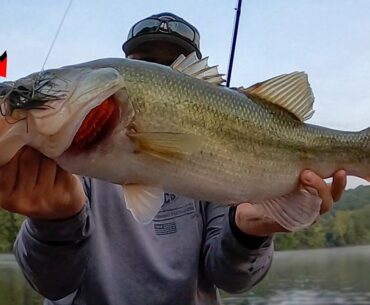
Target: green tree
x: 9, y: 227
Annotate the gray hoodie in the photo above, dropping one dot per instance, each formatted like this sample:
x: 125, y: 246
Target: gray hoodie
x: 102, y: 256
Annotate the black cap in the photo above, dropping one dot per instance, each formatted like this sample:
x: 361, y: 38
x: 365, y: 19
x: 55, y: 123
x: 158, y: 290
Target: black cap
x: 163, y: 27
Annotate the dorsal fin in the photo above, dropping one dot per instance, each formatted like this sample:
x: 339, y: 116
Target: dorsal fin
x: 198, y: 68
x: 290, y: 91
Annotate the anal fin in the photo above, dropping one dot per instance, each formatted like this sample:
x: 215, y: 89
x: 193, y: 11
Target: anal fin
x: 293, y: 211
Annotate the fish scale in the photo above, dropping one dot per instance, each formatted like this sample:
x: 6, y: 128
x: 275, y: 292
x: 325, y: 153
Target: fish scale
x: 214, y: 108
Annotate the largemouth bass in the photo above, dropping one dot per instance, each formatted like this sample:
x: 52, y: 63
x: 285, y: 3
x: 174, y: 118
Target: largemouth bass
x: 152, y: 128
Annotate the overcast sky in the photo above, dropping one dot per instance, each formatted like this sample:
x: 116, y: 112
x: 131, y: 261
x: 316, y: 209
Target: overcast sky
x: 329, y: 39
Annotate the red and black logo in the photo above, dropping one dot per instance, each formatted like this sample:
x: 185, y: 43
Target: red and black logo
x: 3, y: 62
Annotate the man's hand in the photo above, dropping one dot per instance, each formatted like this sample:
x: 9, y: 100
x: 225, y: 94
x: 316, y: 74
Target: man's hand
x: 251, y: 222
x: 35, y: 186
x: 329, y: 193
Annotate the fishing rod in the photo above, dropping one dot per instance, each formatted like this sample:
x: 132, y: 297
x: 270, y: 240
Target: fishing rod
x: 233, y: 45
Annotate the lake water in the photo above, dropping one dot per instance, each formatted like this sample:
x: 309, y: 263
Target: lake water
x: 322, y: 277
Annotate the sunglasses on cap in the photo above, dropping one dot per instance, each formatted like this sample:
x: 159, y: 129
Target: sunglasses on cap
x: 164, y: 25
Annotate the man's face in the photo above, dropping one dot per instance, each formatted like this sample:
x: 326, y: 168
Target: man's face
x: 159, y: 52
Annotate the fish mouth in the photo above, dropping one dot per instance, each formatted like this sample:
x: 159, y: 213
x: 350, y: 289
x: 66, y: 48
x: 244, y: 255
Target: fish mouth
x: 97, y: 125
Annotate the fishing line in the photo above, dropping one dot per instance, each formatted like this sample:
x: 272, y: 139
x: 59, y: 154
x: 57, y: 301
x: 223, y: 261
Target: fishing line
x: 51, y: 48
x: 24, y: 98
x: 56, y: 34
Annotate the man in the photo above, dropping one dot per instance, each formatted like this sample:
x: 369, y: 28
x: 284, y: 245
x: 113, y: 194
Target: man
x: 79, y: 244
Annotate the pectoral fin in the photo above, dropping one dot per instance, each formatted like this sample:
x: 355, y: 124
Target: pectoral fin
x: 293, y: 211
x: 144, y: 202
x: 166, y: 145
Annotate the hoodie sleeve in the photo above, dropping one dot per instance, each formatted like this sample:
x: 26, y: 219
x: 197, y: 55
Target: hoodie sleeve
x: 45, y: 250
x: 234, y: 261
